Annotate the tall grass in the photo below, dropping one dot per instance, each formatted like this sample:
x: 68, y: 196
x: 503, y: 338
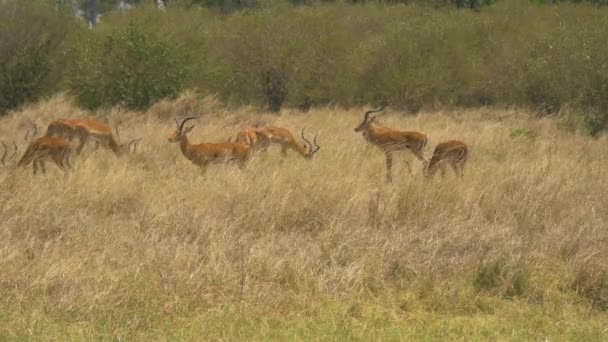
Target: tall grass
x: 145, y: 246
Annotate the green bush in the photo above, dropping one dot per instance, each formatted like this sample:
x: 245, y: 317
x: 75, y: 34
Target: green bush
x: 300, y: 58
x: 31, y: 38
x: 422, y: 54
x: 128, y: 67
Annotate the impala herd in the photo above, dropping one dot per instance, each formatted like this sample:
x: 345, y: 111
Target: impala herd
x: 56, y: 144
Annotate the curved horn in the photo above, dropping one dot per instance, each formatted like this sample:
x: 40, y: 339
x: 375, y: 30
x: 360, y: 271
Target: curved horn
x: 373, y: 111
x: 307, y: 141
x: 316, y: 145
x: 4, y: 154
x: 181, y: 126
x: 134, y: 142
x: 311, y: 150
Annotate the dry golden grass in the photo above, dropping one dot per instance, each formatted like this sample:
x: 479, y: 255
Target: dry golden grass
x: 144, y: 246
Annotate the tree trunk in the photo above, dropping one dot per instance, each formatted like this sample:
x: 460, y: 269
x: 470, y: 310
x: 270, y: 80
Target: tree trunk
x: 92, y: 13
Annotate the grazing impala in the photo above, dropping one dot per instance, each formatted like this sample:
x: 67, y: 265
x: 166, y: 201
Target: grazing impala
x: 390, y: 140
x: 46, y: 147
x: 453, y: 152
x: 85, y: 130
x: 283, y: 137
x: 206, y: 153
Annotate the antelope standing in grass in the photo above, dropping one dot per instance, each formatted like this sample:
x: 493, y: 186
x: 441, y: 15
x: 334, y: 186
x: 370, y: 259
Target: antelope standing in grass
x: 56, y: 149
x: 453, y: 152
x: 284, y: 138
x: 88, y: 130
x: 204, y: 154
x: 261, y: 138
x: 390, y: 140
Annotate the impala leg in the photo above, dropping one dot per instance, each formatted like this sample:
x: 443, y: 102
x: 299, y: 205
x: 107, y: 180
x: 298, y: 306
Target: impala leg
x: 419, y: 155
x: 83, y: 140
x: 389, y: 167
x: 67, y: 161
x: 203, y: 168
x: 59, y: 161
x: 42, y: 167
x: 456, y: 168
x: 35, y: 166
x: 284, y: 151
x: 442, y: 169
x: 407, y: 165
x: 461, y: 168
x: 462, y: 163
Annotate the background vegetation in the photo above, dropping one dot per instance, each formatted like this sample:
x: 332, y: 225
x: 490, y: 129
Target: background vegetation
x: 541, y: 57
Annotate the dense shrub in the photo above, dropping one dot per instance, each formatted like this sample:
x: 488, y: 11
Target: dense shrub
x: 128, y: 67
x: 302, y: 58
x: 423, y: 54
x: 31, y: 37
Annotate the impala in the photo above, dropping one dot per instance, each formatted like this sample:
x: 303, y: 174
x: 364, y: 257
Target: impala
x: 390, y: 140
x: 206, y: 153
x: 453, y: 152
x: 88, y: 129
x: 47, y: 147
x: 283, y: 137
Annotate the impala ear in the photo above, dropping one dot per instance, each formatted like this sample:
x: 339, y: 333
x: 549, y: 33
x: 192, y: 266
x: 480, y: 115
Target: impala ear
x: 188, y: 129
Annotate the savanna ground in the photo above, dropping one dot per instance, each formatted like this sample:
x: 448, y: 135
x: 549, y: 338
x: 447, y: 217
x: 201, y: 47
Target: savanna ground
x: 144, y: 246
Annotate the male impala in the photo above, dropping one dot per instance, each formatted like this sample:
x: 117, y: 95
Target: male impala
x: 47, y: 147
x: 453, y: 152
x: 206, y: 153
x: 283, y: 137
x: 390, y: 140
x: 87, y: 129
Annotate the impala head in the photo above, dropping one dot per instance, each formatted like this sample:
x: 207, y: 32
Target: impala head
x: 311, y: 149
x: 367, y: 120
x: 181, y: 132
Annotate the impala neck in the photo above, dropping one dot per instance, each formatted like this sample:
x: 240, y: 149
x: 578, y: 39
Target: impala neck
x: 184, y: 144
